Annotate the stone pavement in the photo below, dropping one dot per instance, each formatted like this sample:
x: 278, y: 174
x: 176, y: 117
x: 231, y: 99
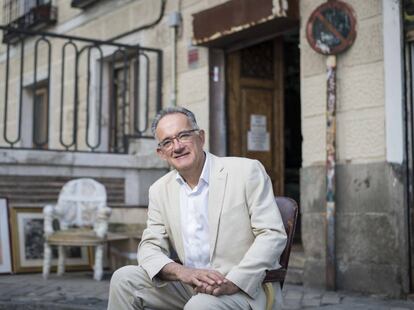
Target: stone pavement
x: 77, y: 290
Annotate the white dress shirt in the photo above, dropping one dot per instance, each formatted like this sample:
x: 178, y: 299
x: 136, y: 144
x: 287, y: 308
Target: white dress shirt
x: 194, y: 219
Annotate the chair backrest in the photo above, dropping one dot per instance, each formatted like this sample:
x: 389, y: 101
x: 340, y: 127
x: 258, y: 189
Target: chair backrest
x: 289, y: 211
x: 78, y: 202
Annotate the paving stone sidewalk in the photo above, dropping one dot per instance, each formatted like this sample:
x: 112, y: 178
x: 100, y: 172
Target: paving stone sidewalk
x: 78, y: 291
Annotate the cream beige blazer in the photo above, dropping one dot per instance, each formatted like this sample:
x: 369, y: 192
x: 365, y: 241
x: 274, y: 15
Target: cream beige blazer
x: 247, y: 235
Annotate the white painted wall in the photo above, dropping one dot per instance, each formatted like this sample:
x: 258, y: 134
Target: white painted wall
x: 393, y: 69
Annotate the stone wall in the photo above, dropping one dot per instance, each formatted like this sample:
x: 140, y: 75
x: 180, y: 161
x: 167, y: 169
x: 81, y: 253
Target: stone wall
x: 360, y: 91
x: 107, y: 19
x: 371, y: 238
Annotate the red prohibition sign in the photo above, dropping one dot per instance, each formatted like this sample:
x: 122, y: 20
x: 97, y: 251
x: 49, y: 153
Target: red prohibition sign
x: 331, y: 28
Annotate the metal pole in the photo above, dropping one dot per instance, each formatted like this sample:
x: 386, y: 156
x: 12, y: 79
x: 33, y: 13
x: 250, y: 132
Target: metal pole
x: 173, y: 101
x: 330, y: 173
x: 174, y: 21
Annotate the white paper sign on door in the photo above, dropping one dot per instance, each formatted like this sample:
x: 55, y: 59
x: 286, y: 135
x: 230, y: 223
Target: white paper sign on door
x: 258, y: 139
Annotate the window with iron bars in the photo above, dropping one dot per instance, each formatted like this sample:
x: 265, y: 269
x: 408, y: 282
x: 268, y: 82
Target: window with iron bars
x: 129, y: 108
x: 14, y: 9
x: 27, y: 14
x: 40, y: 117
x: 99, y: 102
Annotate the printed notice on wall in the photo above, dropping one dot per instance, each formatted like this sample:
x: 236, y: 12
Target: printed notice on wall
x: 258, y: 139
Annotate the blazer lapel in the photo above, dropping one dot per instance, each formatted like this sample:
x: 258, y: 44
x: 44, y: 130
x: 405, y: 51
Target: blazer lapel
x: 217, y: 186
x: 175, y: 215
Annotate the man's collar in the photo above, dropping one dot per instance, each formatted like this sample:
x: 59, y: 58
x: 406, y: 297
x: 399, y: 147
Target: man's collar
x: 205, y: 173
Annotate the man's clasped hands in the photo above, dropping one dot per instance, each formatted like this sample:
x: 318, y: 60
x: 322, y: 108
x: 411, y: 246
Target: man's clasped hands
x: 205, y: 281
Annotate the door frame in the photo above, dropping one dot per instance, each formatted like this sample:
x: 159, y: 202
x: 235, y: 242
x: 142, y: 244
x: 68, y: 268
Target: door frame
x: 217, y: 92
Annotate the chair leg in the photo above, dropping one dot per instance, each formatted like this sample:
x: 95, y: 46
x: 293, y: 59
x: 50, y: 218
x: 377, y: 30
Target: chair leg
x: 98, y: 268
x: 274, y: 297
x: 47, y: 260
x: 61, y: 260
x: 270, y: 295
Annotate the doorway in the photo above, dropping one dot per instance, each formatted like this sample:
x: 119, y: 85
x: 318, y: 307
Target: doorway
x: 264, y: 113
x: 255, y: 107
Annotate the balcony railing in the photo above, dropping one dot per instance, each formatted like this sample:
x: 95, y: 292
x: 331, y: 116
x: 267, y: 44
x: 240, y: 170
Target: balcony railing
x: 82, y: 4
x: 27, y: 14
x: 70, y: 93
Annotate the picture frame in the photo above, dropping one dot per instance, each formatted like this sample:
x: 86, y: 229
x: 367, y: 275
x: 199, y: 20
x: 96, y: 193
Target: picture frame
x: 28, y: 243
x: 5, y: 248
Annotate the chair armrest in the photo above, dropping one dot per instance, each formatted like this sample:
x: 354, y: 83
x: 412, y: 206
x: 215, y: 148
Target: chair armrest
x: 275, y: 275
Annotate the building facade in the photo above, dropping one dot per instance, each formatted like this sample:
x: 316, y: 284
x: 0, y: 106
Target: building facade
x: 81, y: 103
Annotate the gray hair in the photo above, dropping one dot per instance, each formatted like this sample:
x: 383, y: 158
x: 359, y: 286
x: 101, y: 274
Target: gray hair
x: 173, y: 110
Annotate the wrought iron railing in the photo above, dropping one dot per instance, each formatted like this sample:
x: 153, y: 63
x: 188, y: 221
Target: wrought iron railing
x: 27, y: 14
x: 82, y: 4
x: 98, y: 95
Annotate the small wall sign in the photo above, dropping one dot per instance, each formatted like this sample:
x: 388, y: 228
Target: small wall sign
x: 258, y: 138
x: 331, y: 28
x: 192, y: 56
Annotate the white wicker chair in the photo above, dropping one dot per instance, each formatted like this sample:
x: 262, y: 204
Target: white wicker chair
x: 83, y: 220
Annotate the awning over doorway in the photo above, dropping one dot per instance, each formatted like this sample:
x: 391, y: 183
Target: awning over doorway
x: 238, y: 20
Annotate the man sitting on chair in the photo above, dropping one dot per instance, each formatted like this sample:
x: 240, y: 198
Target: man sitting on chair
x: 217, y: 213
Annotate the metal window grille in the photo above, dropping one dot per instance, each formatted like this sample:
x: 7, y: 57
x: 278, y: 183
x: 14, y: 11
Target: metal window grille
x: 89, y: 82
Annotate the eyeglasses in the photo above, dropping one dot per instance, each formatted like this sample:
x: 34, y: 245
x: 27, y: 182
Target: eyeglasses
x: 182, y: 137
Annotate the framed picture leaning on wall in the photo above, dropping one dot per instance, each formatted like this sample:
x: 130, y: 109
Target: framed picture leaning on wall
x: 27, y: 242
x: 5, y: 249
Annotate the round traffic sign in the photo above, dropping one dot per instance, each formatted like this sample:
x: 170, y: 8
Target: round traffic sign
x: 331, y: 28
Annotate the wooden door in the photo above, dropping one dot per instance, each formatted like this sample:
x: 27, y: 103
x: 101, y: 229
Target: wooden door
x: 255, y: 107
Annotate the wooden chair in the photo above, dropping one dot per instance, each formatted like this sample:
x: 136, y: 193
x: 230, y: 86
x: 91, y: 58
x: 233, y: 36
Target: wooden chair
x: 289, y: 211
x: 83, y: 216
